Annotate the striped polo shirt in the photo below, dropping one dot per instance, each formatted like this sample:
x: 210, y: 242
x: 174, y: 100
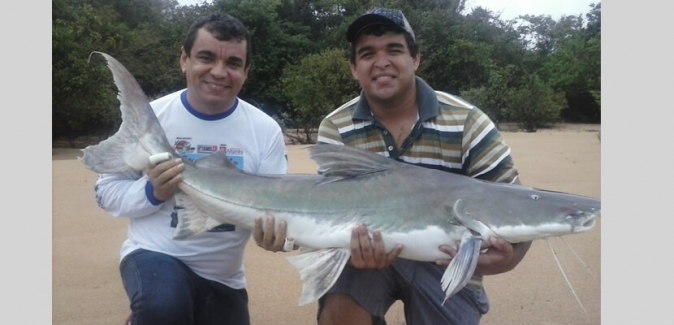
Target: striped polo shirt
x: 450, y: 135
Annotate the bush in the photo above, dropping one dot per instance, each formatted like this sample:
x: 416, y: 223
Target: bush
x: 534, y: 105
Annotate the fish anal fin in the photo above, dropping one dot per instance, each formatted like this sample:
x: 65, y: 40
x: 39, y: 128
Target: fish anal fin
x: 191, y: 220
x: 462, y: 266
x: 319, y: 270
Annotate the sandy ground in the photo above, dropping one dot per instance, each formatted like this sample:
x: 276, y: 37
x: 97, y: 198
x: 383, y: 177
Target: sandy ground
x: 87, y: 290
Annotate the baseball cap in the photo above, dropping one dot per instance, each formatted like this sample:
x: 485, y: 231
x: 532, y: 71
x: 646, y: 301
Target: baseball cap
x: 376, y: 16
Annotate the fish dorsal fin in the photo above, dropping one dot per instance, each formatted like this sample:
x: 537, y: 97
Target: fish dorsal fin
x: 215, y: 161
x: 347, y: 161
x: 220, y: 161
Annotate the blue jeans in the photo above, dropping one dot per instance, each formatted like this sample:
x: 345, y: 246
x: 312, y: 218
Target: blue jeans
x: 163, y: 290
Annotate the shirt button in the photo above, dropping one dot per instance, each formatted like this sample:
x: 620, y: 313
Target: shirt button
x: 390, y: 148
x: 385, y: 132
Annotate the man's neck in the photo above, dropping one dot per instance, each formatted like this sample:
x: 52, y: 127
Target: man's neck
x: 206, y: 109
x: 397, y: 115
x: 396, y: 109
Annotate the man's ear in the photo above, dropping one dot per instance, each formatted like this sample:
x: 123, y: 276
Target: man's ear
x: 354, y: 74
x: 183, y: 59
x: 417, y: 60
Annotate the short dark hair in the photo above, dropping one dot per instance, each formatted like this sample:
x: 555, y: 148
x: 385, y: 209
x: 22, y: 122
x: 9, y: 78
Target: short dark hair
x: 223, y: 27
x: 379, y: 30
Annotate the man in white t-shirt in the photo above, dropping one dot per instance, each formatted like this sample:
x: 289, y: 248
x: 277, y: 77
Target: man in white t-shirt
x: 199, y: 280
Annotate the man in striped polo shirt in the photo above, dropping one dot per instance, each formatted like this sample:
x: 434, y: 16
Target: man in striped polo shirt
x: 399, y: 116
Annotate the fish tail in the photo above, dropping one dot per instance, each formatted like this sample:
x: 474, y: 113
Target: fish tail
x: 139, y: 136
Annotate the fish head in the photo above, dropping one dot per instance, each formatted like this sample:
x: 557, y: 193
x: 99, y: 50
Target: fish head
x: 519, y: 213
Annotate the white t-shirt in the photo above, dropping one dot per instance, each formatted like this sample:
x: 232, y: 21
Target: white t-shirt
x: 251, y: 139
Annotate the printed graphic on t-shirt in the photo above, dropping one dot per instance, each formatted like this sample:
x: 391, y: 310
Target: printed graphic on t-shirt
x: 189, y: 150
x: 235, y: 155
x: 221, y: 228
x: 182, y: 145
x: 206, y: 149
x: 186, y: 148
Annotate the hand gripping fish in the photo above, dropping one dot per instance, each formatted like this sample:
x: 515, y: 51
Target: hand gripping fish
x: 417, y: 207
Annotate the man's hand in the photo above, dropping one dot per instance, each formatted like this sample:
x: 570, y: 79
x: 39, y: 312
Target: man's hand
x: 366, y: 256
x: 501, y: 257
x: 165, y: 178
x: 264, y: 234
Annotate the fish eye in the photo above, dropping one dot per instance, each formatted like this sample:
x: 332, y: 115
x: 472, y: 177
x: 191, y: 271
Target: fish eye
x: 535, y: 197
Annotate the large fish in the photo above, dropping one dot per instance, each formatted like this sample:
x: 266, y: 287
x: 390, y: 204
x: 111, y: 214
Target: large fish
x: 419, y: 208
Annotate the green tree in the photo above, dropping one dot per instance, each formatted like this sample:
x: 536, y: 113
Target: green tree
x: 574, y: 70
x: 534, y: 104
x: 82, y: 94
x: 316, y: 86
x: 459, y: 52
x: 566, y: 54
x: 475, y: 54
x: 493, y: 97
x: 273, y: 48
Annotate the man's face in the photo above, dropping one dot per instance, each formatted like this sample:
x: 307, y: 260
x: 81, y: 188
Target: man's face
x: 383, y: 66
x: 215, y: 72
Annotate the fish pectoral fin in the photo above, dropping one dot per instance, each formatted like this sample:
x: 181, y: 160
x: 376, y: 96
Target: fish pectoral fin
x: 462, y: 266
x: 191, y: 220
x: 459, y: 213
x: 319, y: 270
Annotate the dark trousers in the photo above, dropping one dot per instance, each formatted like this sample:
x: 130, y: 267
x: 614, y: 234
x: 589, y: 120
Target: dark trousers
x: 163, y: 290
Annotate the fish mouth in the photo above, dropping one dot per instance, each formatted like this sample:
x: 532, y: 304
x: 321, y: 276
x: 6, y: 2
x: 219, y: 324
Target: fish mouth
x: 583, y: 226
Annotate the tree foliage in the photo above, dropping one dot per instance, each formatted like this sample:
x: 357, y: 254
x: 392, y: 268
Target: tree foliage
x: 567, y: 55
x: 316, y: 86
x: 534, y: 104
x: 493, y: 97
x: 473, y: 53
x: 81, y: 99
x: 274, y: 47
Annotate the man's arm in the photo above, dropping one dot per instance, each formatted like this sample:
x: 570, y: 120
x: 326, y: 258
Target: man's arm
x: 135, y: 195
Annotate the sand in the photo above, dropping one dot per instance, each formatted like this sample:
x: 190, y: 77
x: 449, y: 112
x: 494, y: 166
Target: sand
x: 87, y: 289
